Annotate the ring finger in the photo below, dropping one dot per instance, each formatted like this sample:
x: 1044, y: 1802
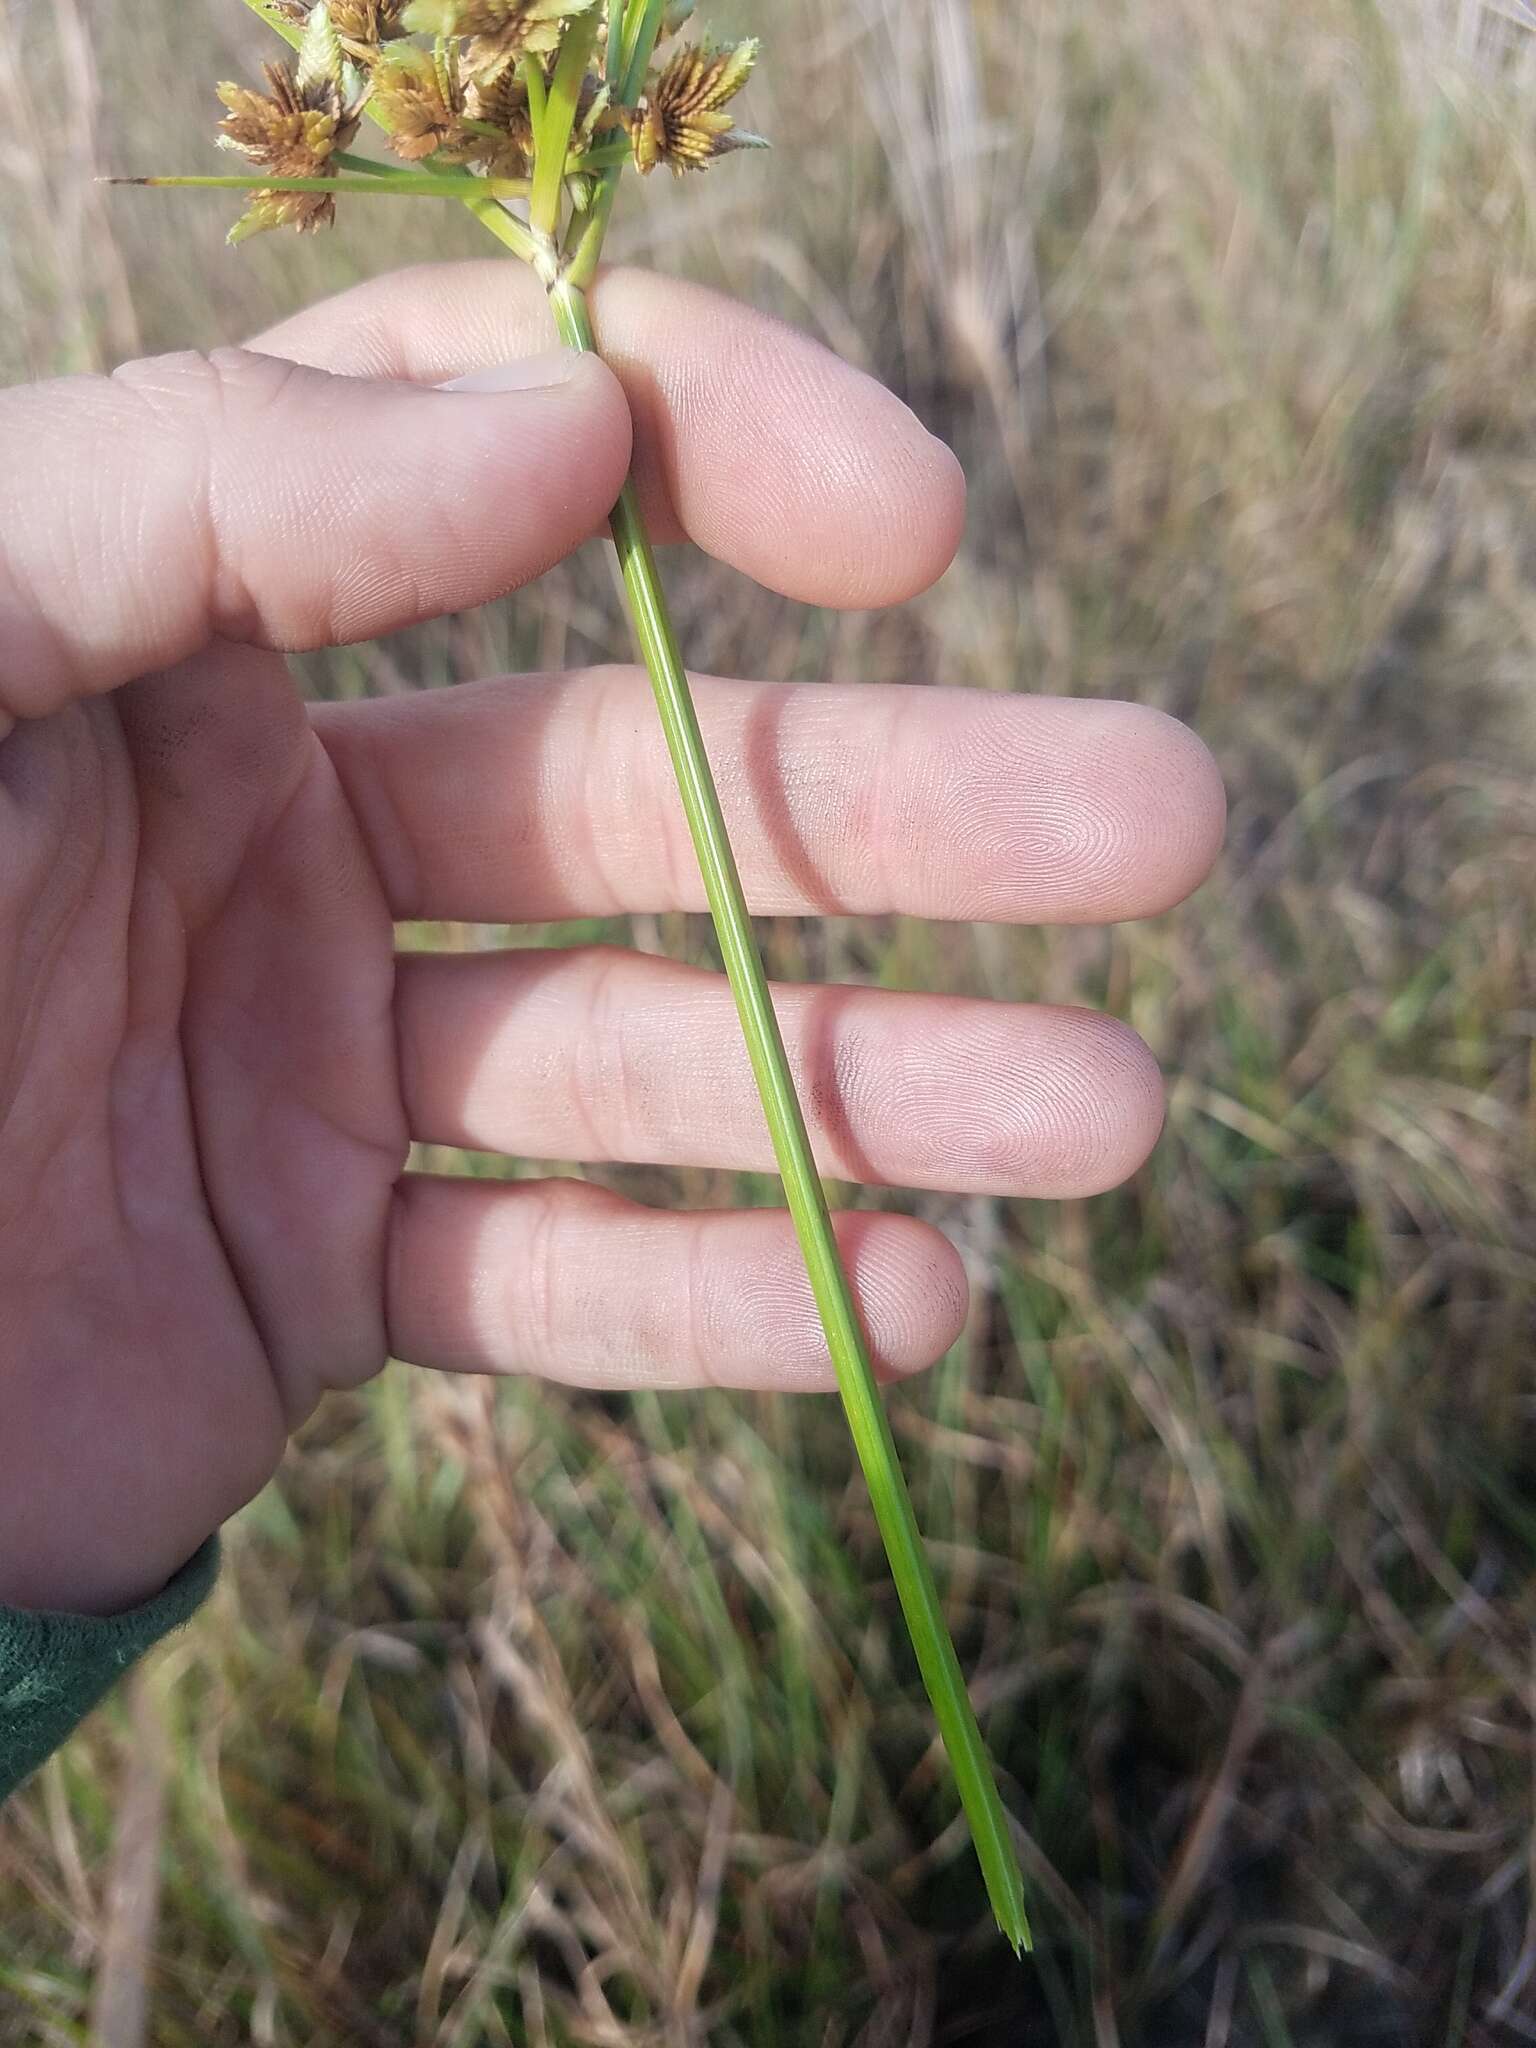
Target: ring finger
x: 572, y: 1283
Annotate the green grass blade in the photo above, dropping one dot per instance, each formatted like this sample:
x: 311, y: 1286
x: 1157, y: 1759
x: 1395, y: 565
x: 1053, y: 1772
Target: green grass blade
x: 807, y: 1200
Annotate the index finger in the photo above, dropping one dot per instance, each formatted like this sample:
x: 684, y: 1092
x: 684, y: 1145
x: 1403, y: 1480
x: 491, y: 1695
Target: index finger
x: 751, y: 439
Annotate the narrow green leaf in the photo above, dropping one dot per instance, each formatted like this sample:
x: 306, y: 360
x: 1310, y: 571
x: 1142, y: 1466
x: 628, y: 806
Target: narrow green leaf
x: 406, y: 185
x: 806, y: 1196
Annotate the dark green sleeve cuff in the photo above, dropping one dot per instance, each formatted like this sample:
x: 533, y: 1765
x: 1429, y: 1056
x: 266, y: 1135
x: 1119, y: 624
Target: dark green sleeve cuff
x: 55, y: 1667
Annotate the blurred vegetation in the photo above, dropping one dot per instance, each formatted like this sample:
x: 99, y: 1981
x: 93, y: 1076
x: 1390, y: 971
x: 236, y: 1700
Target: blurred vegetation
x: 527, y: 1717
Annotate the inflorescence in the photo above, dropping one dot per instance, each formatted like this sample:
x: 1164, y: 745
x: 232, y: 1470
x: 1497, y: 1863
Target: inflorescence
x: 454, y: 83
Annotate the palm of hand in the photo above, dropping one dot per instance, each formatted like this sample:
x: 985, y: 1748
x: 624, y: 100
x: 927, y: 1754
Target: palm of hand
x: 202, y: 1119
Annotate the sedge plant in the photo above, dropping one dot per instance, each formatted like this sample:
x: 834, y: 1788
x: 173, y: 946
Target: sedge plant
x: 528, y: 112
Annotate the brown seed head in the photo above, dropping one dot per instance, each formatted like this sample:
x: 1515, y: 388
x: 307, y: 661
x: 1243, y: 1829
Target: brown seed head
x: 497, y: 104
x: 434, y: 105
x: 421, y: 102
x: 503, y: 30
x: 362, y: 25
x: 680, y: 122
x: 368, y: 22
x: 310, y: 110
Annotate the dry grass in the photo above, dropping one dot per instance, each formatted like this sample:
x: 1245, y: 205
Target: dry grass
x: 528, y: 1718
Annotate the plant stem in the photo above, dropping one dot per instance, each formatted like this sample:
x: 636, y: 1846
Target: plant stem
x: 806, y: 1196
x: 584, y: 237
x: 554, y: 126
x: 530, y: 72
x: 405, y: 186
x: 639, y: 42
x: 641, y: 28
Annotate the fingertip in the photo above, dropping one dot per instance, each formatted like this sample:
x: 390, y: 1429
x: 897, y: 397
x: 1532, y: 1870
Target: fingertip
x: 774, y: 454
x: 1196, y: 799
x: 575, y: 410
x: 1114, y: 1104
x: 910, y: 519
x: 911, y: 1286
x: 1072, y: 811
x: 241, y: 496
x: 1174, y: 812
x: 880, y: 515
x: 947, y: 512
x: 495, y: 481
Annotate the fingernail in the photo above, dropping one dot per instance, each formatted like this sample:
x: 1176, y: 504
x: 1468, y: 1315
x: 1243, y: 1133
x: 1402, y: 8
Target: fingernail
x: 528, y: 373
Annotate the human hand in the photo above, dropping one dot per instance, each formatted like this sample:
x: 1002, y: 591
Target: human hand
x: 211, y: 1059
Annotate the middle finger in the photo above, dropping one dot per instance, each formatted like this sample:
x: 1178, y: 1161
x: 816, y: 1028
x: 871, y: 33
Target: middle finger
x: 552, y: 797
x: 598, y: 1054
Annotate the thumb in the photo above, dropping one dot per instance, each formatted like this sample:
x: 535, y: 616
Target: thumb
x: 242, y: 496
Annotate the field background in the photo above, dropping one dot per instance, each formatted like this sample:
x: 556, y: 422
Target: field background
x: 523, y: 1717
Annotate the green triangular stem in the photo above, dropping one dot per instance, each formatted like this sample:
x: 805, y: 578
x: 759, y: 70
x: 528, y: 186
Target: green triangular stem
x: 867, y: 1420
x: 403, y: 187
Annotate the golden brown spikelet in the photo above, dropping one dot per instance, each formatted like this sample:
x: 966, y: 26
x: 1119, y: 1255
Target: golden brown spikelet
x: 495, y: 101
x: 503, y: 30
x: 679, y: 121
x: 368, y: 21
x: 311, y: 109
x: 363, y: 26
x: 421, y: 103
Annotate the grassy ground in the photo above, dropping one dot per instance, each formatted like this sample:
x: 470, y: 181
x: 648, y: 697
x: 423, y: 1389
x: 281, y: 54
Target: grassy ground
x: 523, y: 1717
